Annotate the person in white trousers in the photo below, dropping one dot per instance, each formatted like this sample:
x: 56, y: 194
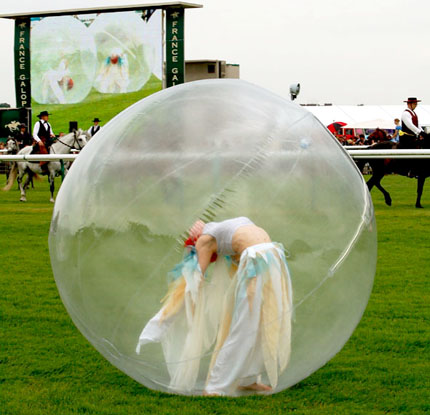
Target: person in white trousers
x: 245, y: 309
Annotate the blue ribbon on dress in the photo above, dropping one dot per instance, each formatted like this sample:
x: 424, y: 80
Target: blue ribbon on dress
x: 189, y: 262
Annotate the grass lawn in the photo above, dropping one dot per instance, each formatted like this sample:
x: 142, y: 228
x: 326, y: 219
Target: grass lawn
x: 103, y: 106
x: 48, y: 367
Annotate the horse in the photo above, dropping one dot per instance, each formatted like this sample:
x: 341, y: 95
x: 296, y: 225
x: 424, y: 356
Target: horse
x: 414, y: 168
x: 12, y: 147
x: 87, y: 134
x: 64, y: 145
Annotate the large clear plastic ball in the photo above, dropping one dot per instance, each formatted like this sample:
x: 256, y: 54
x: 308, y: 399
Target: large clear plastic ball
x: 124, y: 52
x: 63, y: 60
x: 126, y: 204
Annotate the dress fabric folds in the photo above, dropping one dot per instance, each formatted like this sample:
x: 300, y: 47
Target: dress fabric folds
x: 241, y: 315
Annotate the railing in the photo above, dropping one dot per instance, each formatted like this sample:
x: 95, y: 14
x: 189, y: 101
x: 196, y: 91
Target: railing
x: 354, y: 153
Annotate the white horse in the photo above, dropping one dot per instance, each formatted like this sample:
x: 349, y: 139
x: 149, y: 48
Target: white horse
x: 12, y: 148
x: 63, y: 145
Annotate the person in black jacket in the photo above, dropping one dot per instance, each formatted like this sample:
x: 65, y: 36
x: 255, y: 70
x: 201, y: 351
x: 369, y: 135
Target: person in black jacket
x: 23, y: 137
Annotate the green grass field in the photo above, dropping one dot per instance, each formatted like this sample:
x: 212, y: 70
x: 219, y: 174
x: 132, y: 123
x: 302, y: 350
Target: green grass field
x: 48, y: 367
x: 103, y: 106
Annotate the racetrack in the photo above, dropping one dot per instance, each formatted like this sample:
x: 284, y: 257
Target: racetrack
x: 48, y: 367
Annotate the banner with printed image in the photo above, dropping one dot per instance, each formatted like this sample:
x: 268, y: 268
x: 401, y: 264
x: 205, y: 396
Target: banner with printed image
x: 94, y: 65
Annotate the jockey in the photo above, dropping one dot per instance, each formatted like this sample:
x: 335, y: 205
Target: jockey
x: 43, y: 135
x: 412, y: 134
x: 410, y: 126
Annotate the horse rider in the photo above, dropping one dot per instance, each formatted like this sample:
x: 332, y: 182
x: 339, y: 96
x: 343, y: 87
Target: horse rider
x: 43, y: 135
x: 23, y: 137
x: 412, y: 133
x: 96, y: 127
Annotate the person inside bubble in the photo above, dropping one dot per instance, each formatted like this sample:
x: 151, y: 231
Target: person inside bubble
x: 113, y: 75
x: 55, y: 83
x: 244, y: 307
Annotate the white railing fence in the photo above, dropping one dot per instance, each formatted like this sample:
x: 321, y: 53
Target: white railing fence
x: 355, y: 153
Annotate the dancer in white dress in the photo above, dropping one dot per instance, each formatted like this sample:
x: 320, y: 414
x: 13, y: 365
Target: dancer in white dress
x: 55, y: 83
x: 114, y: 75
x: 245, y: 308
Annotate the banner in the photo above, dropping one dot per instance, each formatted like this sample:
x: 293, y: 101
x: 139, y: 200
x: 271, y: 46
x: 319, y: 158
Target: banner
x: 92, y: 66
x: 175, y: 62
x: 11, y: 119
x: 22, y: 63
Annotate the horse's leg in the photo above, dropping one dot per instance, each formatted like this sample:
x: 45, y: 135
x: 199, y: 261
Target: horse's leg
x: 420, y: 188
x: 21, y: 173
x: 7, y: 171
x: 52, y: 185
x: 377, y: 173
x: 28, y: 181
x: 371, y: 182
x: 378, y: 185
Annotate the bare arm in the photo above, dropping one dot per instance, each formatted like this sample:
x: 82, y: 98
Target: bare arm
x: 205, y: 246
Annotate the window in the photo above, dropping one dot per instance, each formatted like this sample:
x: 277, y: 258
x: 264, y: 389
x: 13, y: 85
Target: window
x: 211, y: 68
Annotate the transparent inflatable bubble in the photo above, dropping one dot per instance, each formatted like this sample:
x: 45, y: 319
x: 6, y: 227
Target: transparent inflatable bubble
x: 212, y: 150
x: 63, y: 60
x: 124, y: 52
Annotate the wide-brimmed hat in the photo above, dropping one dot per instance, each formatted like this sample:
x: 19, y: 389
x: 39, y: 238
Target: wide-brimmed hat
x: 412, y: 100
x: 96, y: 120
x: 43, y: 113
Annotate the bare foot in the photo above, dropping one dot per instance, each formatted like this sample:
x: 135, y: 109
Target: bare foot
x: 256, y: 387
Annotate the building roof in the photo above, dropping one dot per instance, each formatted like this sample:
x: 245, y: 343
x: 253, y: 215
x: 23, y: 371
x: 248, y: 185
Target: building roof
x: 7, y: 13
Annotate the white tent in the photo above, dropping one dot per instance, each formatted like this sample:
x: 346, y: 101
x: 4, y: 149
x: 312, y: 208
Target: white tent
x: 353, y: 115
x: 373, y: 124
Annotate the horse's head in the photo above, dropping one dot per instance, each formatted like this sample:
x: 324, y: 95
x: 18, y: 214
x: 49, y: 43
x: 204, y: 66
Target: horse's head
x: 73, y: 141
x: 378, y: 135
x: 11, y: 146
x: 80, y: 139
x: 88, y: 135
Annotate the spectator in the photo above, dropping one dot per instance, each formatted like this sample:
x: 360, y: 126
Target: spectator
x: 23, y: 137
x: 361, y: 140
x: 95, y: 128
x: 396, y: 135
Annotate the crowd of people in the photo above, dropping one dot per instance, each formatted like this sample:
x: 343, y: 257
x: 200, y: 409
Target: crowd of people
x: 406, y: 132
x: 370, y: 137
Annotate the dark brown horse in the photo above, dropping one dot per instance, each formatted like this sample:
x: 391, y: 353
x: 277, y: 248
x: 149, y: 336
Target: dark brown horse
x: 414, y: 168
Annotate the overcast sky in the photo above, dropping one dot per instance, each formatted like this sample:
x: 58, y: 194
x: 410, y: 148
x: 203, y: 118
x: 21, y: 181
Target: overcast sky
x: 341, y: 51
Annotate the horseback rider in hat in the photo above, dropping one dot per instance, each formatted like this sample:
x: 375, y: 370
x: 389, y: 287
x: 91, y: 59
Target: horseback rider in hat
x: 412, y: 132
x: 43, y: 135
x: 95, y: 128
